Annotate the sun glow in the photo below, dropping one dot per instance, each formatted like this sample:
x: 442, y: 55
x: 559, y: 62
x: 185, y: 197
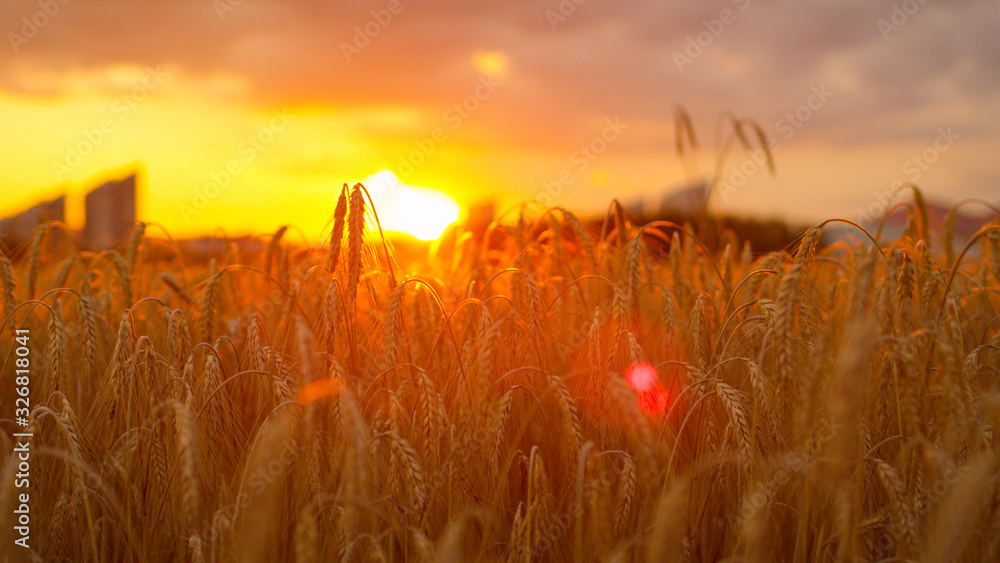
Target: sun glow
x: 423, y: 213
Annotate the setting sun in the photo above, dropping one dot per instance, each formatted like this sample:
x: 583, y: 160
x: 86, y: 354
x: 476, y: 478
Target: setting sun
x: 303, y: 280
x: 423, y: 213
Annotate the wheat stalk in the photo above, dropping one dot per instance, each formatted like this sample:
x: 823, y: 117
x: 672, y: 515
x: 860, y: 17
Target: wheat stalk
x: 497, y: 429
x: 409, y: 466
x: 7, y: 279
x: 844, y: 397
x: 627, y: 493
x: 355, y: 240
x: 187, y: 462
x: 732, y: 401
x: 207, y: 312
x: 307, y: 535
x: 35, y: 256
x: 571, y: 416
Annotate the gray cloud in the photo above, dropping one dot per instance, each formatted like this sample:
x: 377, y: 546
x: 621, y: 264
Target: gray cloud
x: 607, y: 58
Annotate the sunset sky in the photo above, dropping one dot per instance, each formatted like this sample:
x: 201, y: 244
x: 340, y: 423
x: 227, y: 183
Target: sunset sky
x: 281, y: 102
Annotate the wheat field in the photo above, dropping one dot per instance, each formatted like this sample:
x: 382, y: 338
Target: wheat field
x: 554, y: 391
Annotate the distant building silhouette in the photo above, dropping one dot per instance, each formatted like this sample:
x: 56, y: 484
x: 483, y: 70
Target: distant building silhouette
x: 691, y: 200
x: 480, y: 217
x: 19, y: 228
x: 110, y: 217
x: 893, y: 224
x: 110, y: 214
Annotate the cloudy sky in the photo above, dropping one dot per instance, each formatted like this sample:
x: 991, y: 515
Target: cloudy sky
x: 248, y: 114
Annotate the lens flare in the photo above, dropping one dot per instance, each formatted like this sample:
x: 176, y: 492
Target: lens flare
x: 651, y: 396
x: 641, y: 377
x: 654, y: 401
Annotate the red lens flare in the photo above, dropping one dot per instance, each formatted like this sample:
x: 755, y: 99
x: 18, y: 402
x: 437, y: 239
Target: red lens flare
x: 654, y: 401
x: 651, y: 396
x: 641, y: 377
